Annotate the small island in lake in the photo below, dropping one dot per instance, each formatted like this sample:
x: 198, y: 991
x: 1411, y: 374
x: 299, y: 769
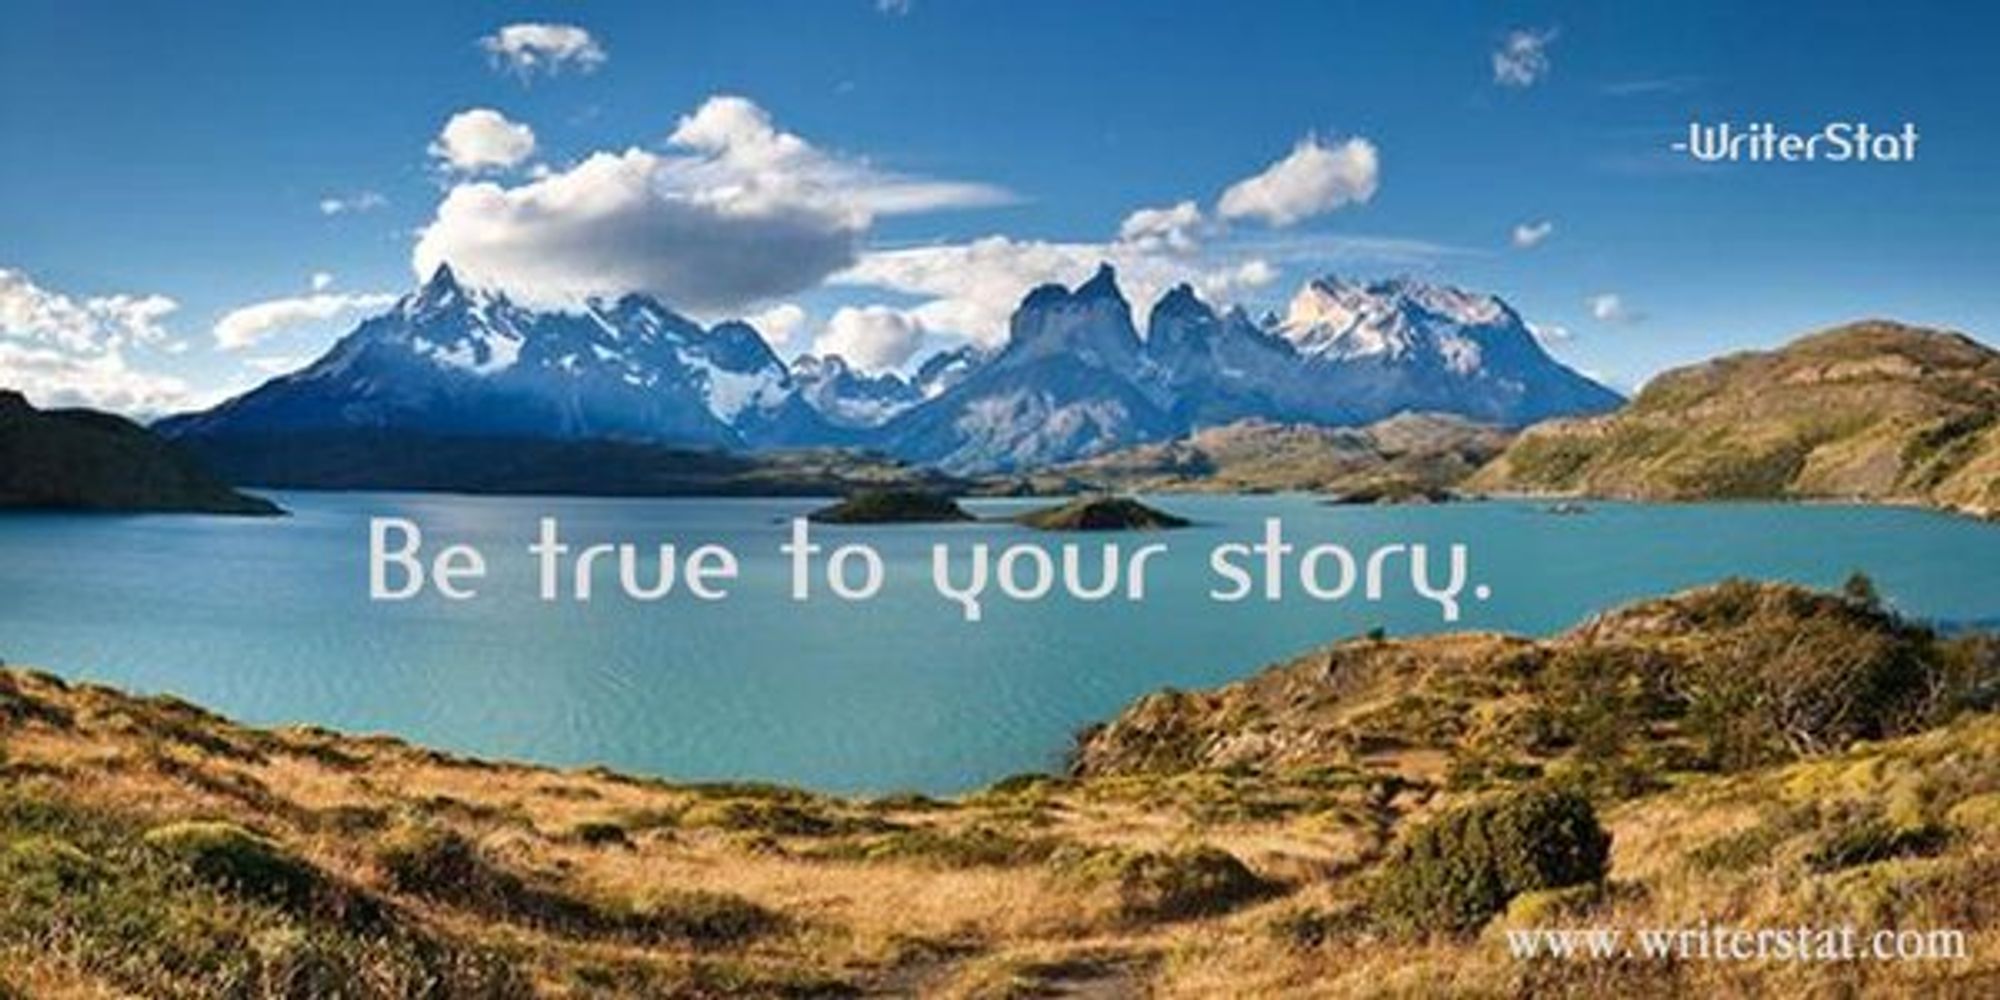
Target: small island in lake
x: 86, y: 460
x: 894, y: 506
x: 1100, y: 513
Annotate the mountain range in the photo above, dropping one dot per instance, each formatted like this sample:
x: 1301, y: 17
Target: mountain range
x: 1074, y: 379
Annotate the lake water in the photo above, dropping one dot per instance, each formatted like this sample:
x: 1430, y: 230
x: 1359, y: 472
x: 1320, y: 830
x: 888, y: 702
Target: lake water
x: 269, y: 621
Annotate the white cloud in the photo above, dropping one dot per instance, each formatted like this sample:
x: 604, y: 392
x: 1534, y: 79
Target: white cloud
x: 250, y: 325
x: 871, y: 338
x: 1530, y: 234
x: 894, y: 8
x: 1254, y: 273
x: 91, y: 325
x: 779, y: 324
x: 526, y: 49
x: 482, y: 139
x: 50, y: 377
x: 63, y: 351
x: 971, y: 289
x: 341, y: 205
x: 1522, y: 59
x: 737, y: 214
x: 1314, y: 178
x: 1610, y: 307
x: 321, y: 281
x: 359, y: 201
x: 1176, y: 228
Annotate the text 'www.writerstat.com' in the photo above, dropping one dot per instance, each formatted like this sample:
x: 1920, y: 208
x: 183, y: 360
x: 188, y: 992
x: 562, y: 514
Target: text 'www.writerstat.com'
x: 1718, y: 943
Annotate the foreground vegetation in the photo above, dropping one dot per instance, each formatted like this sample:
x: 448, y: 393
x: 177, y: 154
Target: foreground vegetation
x: 1366, y: 820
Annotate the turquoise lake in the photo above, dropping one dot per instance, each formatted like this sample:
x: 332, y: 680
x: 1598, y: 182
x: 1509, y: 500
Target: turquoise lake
x: 270, y: 621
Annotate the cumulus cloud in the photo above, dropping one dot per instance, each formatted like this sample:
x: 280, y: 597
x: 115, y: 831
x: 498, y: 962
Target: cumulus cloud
x: 1522, y: 59
x: 971, y: 289
x: 871, y: 338
x: 738, y: 212
x: 65, y: 351
x: 321, y: 281
x: 49, y: 377
x: 248, y: 326
x: 1175, y: 228
x: 1530, y: 234
x: 530, y: 48
x: 1314, y: 178
x: 482, y: 139
x: 1610, y: 307
x: 779, y: 324
x: 93, y: 325
x: 359, y: 201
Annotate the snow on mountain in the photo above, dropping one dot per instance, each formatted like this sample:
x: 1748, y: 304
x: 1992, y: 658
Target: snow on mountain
x: 1063, y: 387
x: 850, y: 398
x: 1375, y: 349
x: 1074, y: 379
x: 945, y: 369
x: 456, y: 360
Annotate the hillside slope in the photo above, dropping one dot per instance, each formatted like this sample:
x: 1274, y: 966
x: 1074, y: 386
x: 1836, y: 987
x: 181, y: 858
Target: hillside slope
x: 85, y: 460
x: 148, y: 846
x: 1872, y: 411
x: 1416, y: 454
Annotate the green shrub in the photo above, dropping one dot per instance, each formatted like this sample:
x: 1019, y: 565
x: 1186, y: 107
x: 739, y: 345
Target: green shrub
x: 203, y: 910
x: 780, y: 818
x: 705, y: 918
x: 242, y: 863
x: 600, y: 833
x: 439, y: 863
x: 1164, y: 885
x: 1737, y: 852
x: 443, y: 865
x: 1870, y: 839
x: 972, y: 847
x: 57, y: 864
x: 1457, y: 871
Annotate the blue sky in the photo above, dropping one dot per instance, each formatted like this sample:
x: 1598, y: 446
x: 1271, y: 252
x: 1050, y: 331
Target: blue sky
x: 886, y: 182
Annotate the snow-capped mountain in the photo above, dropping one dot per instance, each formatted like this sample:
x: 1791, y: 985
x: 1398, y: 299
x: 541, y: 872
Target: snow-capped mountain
x: 850, y: 398
x: 448, y: 359
x: 1369, y: 351
x: 1068, y: 384
x: 1074, y: 379
x: 1211, y: 369
x: 945, y: 369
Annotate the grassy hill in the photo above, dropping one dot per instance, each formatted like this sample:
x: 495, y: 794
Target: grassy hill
x: 1872, y: 411
x: 86, y: 460
x: 1276, y: 837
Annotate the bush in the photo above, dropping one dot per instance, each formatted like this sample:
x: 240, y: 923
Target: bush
x: 705, y: 918
x: 1165, y: 885
x: 972, y: 847
x: 1457, y: 871
x: 443, y: 865
x: 241, y: 862
x: 1870, y: 839
x: 600, y: 833
x: 197, y: 910
x: 439, y: 863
